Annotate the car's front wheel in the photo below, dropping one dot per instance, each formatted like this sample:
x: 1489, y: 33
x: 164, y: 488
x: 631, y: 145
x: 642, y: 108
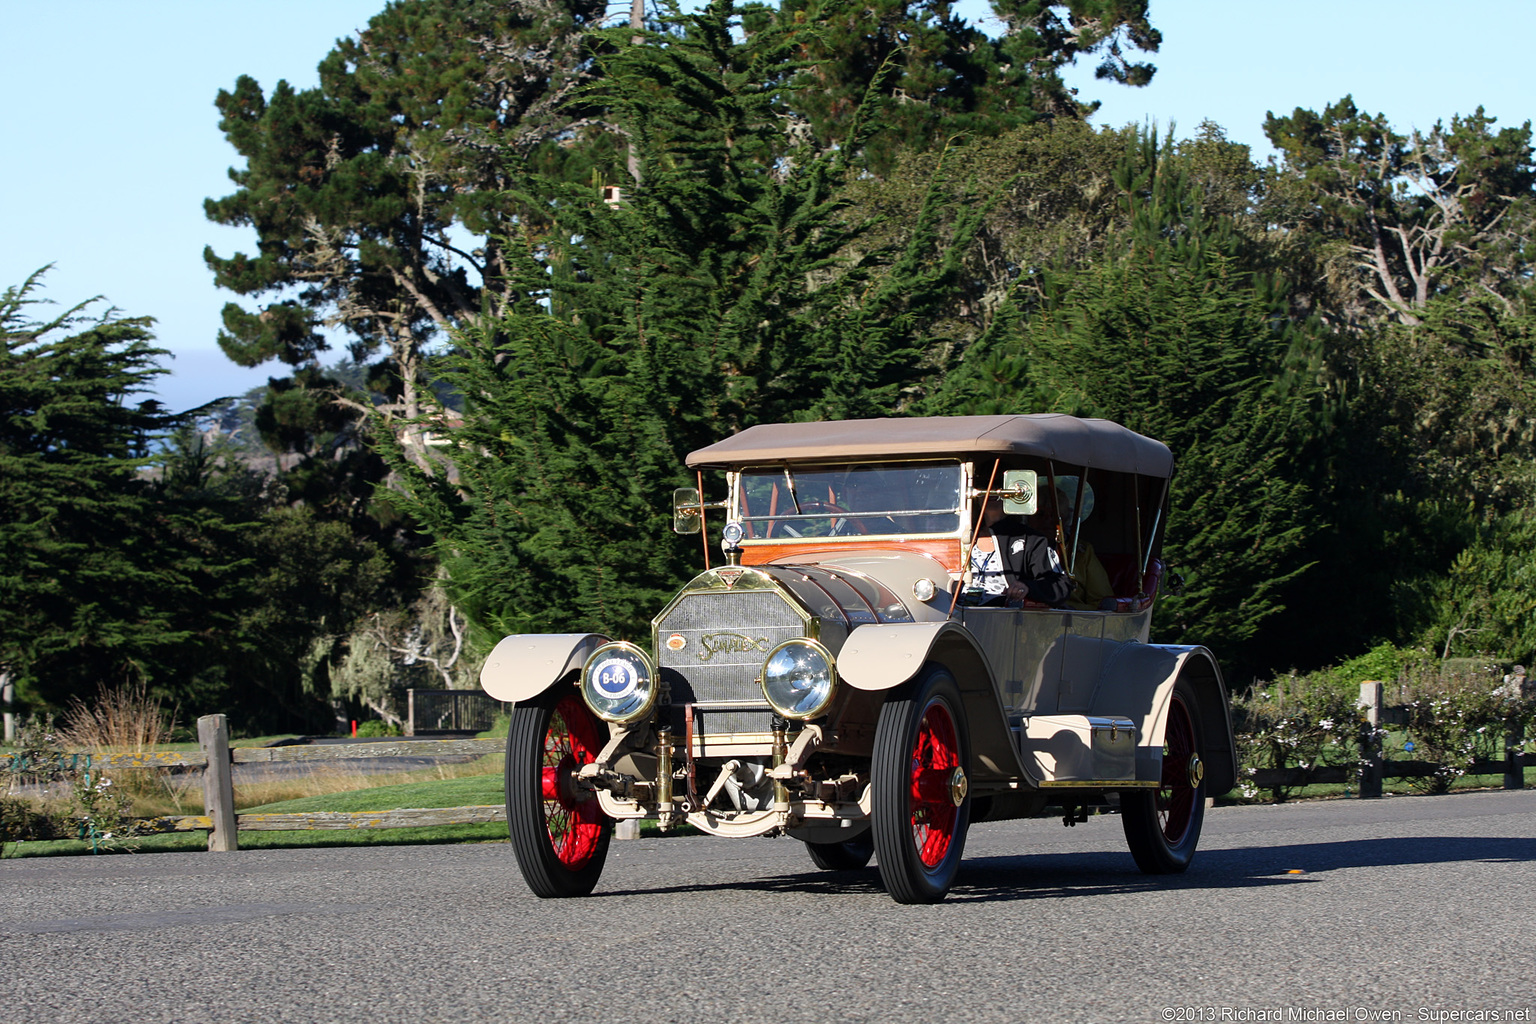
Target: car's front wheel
x: 1162, y: 826
x: 559, y: 833
x: 920, y: 787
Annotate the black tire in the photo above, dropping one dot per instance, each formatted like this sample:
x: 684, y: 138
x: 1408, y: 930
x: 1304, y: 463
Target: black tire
x: 848, y: 855
x: 560, y: 837
x: 919, y: 837
x: 1162, y: 826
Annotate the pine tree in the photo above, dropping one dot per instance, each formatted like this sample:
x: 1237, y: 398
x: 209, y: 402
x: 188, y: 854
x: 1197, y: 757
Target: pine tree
x: 92, y: 581
x: 947, y: 77
x: 360, y: 191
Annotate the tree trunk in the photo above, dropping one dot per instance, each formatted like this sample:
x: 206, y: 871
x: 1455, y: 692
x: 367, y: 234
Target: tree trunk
x: 636, y: 24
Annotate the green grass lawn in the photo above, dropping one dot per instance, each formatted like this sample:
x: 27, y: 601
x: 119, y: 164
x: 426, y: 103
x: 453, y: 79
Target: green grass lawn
x: 470, y: 791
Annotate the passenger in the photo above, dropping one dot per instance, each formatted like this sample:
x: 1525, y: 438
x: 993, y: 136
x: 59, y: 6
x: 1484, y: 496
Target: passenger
x: 1012, y: 561
x: 1091, y: 587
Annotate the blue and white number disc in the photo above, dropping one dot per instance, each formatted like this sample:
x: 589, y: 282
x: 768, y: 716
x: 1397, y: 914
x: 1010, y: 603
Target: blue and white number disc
x: 615, y: 679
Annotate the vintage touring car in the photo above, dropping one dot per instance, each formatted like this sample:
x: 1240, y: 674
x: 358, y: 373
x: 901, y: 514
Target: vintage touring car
x: 863, y: 675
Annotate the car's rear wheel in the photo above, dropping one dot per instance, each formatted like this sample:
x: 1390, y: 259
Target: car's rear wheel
x: 920, y: 788
x: 1162, y: 826
x: 848, y: 855
x: 559, y: 833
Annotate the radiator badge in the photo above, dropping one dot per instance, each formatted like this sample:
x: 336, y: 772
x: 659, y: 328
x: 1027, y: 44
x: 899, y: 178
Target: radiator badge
x: 712, y: 644
x: 730, y: 576
x: 676, y: 642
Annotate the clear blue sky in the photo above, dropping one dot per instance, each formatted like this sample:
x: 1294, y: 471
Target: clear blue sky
x: 111, y: 141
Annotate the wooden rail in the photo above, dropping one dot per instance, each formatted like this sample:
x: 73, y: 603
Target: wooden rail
x: 217, y: 758
x: 346, y: 751
x: 1269, y: 778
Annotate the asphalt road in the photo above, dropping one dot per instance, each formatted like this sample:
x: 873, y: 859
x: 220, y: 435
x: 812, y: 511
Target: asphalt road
x: 1406, y: 906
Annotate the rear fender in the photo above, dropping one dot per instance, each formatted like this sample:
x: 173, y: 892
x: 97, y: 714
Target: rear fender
x: 879, y: 657
x: 525, y: 665
x: 1138, y: 683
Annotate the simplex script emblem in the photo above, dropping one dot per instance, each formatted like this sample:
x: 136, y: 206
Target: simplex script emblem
x: 711, y: 644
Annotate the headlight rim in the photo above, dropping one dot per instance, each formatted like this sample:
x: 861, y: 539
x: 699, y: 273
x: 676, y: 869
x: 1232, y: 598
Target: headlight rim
x: 826, y: 655
x: 653, y: 687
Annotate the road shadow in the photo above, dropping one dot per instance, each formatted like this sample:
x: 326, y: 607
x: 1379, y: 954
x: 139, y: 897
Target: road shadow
x: 1096, y: 874
x: 1069, y: 875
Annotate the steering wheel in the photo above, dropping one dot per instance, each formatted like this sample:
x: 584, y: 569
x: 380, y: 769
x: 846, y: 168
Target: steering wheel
x: 838, y: 525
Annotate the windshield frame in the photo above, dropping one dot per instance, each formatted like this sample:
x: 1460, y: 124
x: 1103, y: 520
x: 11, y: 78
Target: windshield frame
x: 792, y: 476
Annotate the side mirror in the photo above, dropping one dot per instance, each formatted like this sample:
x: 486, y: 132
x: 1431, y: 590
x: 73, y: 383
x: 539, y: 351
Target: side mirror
x: 1019, y: 492
x: 687, y: 510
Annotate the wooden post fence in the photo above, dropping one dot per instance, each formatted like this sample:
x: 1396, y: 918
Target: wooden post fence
x: 217, y: 759
x: 1370, y: 741
x: 218, y: 784
x: 1514, y: 762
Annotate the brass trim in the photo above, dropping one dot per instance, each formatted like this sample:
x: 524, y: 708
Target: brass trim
x: 746, y: 578
x: 664, y: 810
x: 1196, y: 770
x: 733, y: 499
x: 651, y: 668
x: 959, y: 786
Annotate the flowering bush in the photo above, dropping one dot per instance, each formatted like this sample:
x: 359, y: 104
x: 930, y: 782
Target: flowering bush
x: 1454, y: 713
x: 1300, y: 722
x: 1458, y: 714
x: 61, y: 796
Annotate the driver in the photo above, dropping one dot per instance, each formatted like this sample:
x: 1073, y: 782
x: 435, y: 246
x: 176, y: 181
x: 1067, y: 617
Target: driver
x: 1012, y: 561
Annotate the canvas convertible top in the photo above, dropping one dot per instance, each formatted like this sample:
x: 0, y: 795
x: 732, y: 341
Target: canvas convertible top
x: 1066, y: 439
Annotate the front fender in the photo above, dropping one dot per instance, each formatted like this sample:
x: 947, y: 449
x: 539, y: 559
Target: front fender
x: 879, y: 657
x: 882, y: 657
x: 524, y: 665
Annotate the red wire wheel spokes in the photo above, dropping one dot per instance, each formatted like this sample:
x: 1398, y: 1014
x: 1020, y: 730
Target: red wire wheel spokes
x: 1176, y: 795
x: 573, y: 818
x: 920, y: 803
x: 935, y: 756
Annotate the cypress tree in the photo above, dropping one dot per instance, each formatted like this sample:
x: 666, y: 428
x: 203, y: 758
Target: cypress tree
x: 718, y: 294
x: 1175, y: 338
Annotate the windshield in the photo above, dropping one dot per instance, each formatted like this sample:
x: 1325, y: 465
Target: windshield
x: 850, y: 500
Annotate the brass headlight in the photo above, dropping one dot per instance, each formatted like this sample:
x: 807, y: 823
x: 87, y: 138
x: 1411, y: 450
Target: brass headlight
x: 799, y: 678
x: 618, y: 682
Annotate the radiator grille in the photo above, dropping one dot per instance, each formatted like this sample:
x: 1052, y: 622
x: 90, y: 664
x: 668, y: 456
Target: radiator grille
x: 725, y: 637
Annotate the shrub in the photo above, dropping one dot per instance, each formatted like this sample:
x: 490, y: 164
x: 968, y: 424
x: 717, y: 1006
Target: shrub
x: 70, y: 799
x: 1303, y: 722
x: 1455, y: 716
x: 375, y: 727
